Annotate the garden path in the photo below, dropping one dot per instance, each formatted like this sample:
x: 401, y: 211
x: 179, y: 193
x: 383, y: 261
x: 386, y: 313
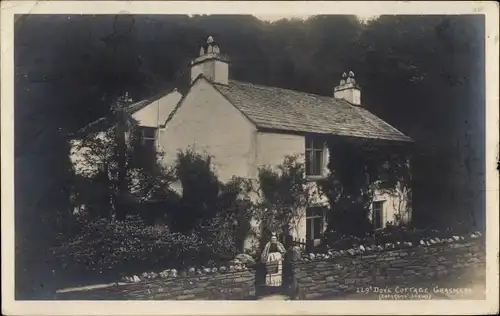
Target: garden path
x: 274, y: 297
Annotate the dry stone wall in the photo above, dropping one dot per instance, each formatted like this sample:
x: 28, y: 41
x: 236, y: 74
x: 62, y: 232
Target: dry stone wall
x: 349, y: 273
x: 219, y: 286
x: 312, y: 279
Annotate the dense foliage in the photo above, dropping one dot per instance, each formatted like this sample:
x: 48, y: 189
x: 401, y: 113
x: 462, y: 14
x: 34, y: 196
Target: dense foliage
x: 200, y: 191
x: 222, y: 211
x: 363, y: 170
x: 113, y: 169
x: 204, y: 223
x: 110, y: 249
x: 284, y: 195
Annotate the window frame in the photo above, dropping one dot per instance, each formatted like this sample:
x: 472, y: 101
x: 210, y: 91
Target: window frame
x: 145, y: 139
x: 314, y: 148
x: 310, y: 222
x: 380, y: 214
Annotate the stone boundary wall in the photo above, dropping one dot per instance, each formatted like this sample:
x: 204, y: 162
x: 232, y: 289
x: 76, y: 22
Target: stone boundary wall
x: 218, y: 286
x: 346, y: 274
x: 312, y: 279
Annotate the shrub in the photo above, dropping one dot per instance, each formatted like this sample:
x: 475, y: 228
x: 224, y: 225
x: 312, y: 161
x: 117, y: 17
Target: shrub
x: 200, y: 190
x: 219, y: 235
x: 211, y: 221
x: 285, y: 193
x: 132, y: 246
x: 218, y: 212
x: 227, y: 231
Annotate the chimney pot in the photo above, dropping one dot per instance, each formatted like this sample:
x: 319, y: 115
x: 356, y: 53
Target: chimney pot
x: 348, y: 89
x: 351, y: 77
x: 343, y: 80
x: 210, y: 63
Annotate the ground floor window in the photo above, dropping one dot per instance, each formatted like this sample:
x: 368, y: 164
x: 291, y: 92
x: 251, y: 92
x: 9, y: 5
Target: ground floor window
x: 378, y: 208
x: 314, y: 222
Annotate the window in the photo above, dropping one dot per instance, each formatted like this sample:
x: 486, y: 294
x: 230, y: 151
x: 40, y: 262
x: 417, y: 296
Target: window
x: 314, y: 157
x: 148, y: 137
x: 314, y: 222
x: 378, y: 208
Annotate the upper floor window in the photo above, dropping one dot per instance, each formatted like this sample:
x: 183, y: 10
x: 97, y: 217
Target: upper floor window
x: 148, y: 136
x: 314, y: 157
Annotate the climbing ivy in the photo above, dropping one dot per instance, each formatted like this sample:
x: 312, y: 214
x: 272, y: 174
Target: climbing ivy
x: 356, y: 175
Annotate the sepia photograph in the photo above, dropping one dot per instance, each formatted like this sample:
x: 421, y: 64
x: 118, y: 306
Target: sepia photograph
x: 245, y: 156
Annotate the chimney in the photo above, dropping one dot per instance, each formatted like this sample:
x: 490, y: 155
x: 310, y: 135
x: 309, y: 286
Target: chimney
x: 348, y: 89
x: 211, y: 63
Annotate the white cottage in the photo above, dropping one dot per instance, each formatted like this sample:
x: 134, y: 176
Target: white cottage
x: 245, y: 126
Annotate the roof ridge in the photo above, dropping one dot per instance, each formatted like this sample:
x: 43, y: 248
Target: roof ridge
x: 285, y: 89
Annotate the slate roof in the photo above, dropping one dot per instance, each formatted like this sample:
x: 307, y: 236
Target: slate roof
x: 132, y: 108
x: 105, y: 123
x: 289, y: 110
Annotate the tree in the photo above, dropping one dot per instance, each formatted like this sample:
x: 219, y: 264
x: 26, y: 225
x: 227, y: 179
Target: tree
x: 107, y: 161
x: 122, y: 119
x: 423, y: 75
x: 200, y: 189
x: 94, y: 161
x: 219, y: 212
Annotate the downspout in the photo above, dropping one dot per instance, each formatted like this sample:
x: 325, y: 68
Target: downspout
x: 157, y: 131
